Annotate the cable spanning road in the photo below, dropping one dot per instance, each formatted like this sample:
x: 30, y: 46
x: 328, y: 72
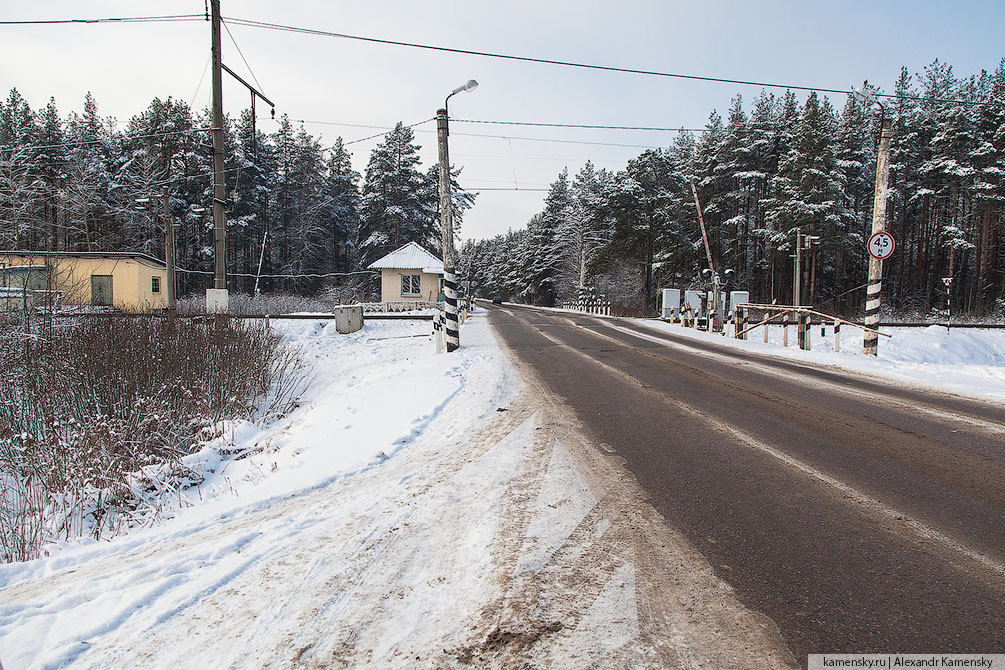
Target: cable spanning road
x: 860, y: 516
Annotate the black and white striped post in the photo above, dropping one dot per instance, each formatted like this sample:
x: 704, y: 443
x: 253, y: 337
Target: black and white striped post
x: 452, y: 327
x: 875, y: 286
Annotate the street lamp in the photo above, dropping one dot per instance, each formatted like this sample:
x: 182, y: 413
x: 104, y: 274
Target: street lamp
x: 446, y: 225
x: 867, y: 96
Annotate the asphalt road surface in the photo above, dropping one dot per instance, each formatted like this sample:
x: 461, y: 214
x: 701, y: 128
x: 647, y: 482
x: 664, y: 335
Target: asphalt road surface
x: 861, y: 516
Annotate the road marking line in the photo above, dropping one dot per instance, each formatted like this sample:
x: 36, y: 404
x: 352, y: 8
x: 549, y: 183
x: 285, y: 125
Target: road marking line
x: 750, y: 441
x: 991, y: 427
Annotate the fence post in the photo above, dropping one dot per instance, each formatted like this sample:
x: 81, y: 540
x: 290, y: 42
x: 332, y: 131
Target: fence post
x: 785, y: 330
x: 739, y: 322
x: 766, y: 326
x: 837, y: 336
x: 802, y: 334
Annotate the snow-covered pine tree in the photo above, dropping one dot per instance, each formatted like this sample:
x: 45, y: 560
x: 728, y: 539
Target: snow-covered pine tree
x: 397, y: 204
x: 342, y: 201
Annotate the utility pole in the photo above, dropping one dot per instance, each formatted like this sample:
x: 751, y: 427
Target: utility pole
x: 714, y: 276
x: 447, y: 234
x: 169, y: 253
x: 797, y: 279
x: 867, y: 96
x: 452, y: 327
x: 872, y: 298
x: 217, y: 299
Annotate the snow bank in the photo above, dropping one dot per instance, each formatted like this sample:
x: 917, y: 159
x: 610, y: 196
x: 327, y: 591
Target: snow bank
x: 967, y: 361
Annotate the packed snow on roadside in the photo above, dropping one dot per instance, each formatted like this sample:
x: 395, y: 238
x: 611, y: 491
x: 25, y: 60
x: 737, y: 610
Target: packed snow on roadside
x: 967, y: 361
x: 374, y: 393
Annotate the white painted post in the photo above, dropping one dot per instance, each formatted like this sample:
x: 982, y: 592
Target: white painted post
x: 785, y: 330
x: 837, y: 336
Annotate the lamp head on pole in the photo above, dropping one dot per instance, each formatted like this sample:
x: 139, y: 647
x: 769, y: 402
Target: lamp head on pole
x: 867, y: 95
x: 469, y: 85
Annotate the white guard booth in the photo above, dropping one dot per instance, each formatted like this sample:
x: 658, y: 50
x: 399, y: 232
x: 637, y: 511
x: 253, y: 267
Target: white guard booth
x: 738, y: 298
x: 671, y: 304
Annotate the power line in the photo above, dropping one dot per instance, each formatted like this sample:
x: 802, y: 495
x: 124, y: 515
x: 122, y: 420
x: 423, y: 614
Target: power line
x: 80, y: 143
x: 557, y: 141
x: 390, y: 130
x: 123, y: 19
x: 286, y: 276
x: 486, y: 54
x: 511, y: 188
x: 241, y: 54
x: 587, y: 66
x: 576, y: 125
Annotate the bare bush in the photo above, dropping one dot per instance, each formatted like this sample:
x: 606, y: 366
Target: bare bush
x: 98, y: 414
x: 344, y: 291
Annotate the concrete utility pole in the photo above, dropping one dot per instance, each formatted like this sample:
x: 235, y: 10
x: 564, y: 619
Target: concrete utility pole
x: 872, y: 298
x: 217, y: 298
x: 446, y: 223
x: 797, y: 279
x: 169, y: 253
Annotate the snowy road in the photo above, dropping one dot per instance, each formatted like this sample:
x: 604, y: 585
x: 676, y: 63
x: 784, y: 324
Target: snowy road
x: 860, y: 515
x: 487, y: 533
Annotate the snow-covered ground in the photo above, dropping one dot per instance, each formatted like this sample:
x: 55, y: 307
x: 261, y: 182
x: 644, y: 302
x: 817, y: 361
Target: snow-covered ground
x: 376, y: 392
x: 419, y: 510
x: 966, y: 361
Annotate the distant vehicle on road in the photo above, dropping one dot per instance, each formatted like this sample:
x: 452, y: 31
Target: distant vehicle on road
x: 497, y: 300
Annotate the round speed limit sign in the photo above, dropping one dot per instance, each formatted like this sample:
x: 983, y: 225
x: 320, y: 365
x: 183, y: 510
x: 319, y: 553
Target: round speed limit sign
x: 881, y: 246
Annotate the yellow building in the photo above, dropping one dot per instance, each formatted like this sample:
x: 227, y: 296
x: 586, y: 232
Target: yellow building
x: 410, y: 274
x: 127, y: 281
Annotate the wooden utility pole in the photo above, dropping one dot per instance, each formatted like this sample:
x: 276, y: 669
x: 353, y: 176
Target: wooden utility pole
x: 218, y: 300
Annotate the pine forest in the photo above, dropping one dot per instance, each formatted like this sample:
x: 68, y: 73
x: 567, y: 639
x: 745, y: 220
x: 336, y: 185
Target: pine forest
x: 302, y: 219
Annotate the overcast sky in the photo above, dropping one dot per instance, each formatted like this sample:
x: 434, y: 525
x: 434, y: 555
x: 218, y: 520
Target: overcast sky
x: 327, y: 82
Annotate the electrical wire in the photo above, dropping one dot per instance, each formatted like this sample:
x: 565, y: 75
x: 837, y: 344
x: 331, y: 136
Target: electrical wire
x: 575, y: 125
x: 485, y: 54
x: 587, y: 66
x: 260, y: 87
x: 80, y: 143
x: 390, y: 130
x: 303, y: 276
x: 557, y: 141
x: 205, y: 69
x: 124, y: 19
x: 511, y: 188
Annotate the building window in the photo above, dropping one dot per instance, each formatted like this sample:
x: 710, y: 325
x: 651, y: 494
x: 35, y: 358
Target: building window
x: 410, y: 285
x: 155, y: 284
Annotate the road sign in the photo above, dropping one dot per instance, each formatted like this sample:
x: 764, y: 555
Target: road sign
x: 881, y: 245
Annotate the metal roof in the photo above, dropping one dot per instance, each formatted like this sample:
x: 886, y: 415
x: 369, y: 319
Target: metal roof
x: 409, y: 257
x: 143, y: 258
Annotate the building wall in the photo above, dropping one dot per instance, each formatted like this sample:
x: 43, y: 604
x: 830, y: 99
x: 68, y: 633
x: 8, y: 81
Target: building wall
x: 131, y: 280
x: 390, y: 286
